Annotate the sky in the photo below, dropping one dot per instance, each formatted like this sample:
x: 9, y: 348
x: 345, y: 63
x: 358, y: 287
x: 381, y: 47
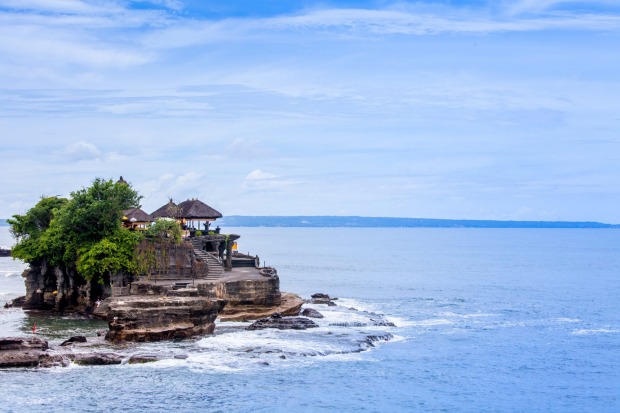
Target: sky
x: 505, y: 109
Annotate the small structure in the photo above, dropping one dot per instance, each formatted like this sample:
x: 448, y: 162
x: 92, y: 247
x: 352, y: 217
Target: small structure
x: 136, y: 219
x: 170, y: 210
x: 196, y: 213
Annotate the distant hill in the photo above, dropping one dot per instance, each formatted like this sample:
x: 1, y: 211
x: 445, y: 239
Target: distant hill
x: 365, y: 222
x: 384, y: 222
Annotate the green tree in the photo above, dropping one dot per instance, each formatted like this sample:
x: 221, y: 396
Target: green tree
x: 166, y: 228
x: 95, y: 212
x: 30, y: 229
x: 113, y: 254
x: 83, y: 233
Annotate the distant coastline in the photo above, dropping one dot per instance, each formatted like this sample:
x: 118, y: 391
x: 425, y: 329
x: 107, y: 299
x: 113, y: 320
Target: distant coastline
x: 386, y: 222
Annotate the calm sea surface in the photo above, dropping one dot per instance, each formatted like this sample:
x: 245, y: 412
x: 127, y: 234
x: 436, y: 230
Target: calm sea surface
x: 487, y: 320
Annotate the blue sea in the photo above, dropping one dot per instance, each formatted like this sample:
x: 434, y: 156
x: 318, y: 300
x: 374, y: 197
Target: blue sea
x: 485, y: 320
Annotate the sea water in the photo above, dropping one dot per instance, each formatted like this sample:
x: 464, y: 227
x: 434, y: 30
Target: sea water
x: 506, y: 320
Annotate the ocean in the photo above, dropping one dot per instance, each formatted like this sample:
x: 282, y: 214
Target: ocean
x: 485, y: 320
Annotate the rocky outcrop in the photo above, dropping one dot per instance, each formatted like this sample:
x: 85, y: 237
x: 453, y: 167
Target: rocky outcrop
x: 143, y: 358
x: 263, y: 292
x: 312, y: 313
x: 141, y: 318
x: 56, y: 289
x: 320, y: 298
x: 290, y: 305
x: 97, y: 359
x: 283, y: 323
x: 21, y: 351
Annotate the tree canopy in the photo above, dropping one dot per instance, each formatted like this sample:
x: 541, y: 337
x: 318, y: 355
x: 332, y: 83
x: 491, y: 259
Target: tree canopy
x: 83, y: 232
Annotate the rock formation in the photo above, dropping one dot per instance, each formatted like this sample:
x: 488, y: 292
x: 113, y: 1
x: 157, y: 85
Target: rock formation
x: 283, y: 323
x: 142, y: 318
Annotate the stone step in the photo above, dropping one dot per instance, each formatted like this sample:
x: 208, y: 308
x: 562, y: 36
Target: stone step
x: 215, y: 270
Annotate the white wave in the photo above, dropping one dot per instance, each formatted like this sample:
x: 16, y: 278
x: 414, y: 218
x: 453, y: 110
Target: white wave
x: 431, y: 322
x: 594, y: 331
x: 466, y: 316
x: 355, y: 304
x: 566, y: 320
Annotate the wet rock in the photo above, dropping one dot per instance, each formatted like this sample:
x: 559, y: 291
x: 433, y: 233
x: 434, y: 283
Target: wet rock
x: 349, y: 324
x: 17, y: 302
x: 372, y: 339
x: 143, y: 358
x: 72, y: 340
x: 141, y: 318
x: 97, y: 359
x: 21, y: 351
x: 22, y: 344
x: 283, y: 323
x: 382, y: 323
x: 312, y: 313
x: 57, y: 360
x: 320, y: 298
x: 181, y: 356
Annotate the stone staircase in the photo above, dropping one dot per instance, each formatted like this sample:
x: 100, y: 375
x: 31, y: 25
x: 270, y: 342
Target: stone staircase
x: 215, y: 270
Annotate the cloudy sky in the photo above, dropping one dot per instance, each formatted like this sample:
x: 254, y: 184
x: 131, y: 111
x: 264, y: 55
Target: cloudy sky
x: 481, y: 109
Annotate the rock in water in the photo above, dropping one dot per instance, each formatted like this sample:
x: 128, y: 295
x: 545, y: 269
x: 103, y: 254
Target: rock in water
x: 75, y: 339
x: 320, y: 298
x: 312, y: 313
x: 143, y: 358
x: 97, y: 359
x: 21, y: 351
x: 283, y: 323
x: 140, y: 318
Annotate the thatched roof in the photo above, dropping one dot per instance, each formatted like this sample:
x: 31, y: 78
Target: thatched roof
x: 137, y: 214
x: 196, y: 209
x: 170, y: 210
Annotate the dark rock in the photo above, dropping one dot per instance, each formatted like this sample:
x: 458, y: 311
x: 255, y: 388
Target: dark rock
x: 97, y: 359
x: 143, y: 358
x: 276, y: 315
x: 320, y: 298
x: 21, y: 351
x: 312, y: 313
x: 58, y: 360
x: 22, y: 344
x: 285, y: 323
x: 349, y: 324
x: 181, y: 356
x: 17, y: 302
x: 75, y: 339
x: 141, y: 318
x: 371, y: 340
x: 382, y: 323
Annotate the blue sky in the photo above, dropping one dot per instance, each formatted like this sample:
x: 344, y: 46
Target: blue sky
x: 502, y: 109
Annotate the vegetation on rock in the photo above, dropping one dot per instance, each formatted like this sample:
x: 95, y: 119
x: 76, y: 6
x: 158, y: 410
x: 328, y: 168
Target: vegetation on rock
x: 83, y: 233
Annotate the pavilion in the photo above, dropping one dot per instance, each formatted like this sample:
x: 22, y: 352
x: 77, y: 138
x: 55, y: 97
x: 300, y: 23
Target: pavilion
x: 192, y: 213
x: 136, y: 219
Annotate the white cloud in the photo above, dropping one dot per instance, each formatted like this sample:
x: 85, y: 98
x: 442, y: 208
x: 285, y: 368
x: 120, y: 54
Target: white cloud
x: 82, y: 151
x: 57, y: 6
x: 258, y: 175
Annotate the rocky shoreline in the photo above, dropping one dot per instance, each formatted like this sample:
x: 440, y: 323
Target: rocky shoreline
x: 138, y: 319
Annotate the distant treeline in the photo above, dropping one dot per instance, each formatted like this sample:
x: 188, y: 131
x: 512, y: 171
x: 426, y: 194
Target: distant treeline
x: 366, y: 222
